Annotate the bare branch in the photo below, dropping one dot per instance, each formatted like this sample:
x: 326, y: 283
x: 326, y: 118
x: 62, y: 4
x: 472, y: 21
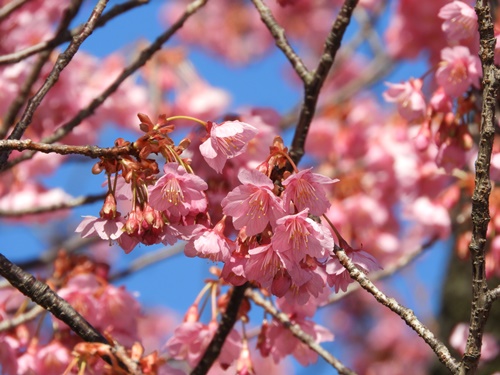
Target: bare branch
x: 62, y: 61
x: 298, y: 332
x: 480, y: 307
x: 404, y: 313
x: 225, y: 326
x: 390, y: 270
x: 313, y: 87
x: 10, y: 7
x: 27, y: 86
x: 143, y: 57
x: 8, y: 324
x: 41, y: 294
x: 147, y: 260
x: 494, y: 294
x: 72, y: 203
x: 278, y: 34
x: 89, y: 151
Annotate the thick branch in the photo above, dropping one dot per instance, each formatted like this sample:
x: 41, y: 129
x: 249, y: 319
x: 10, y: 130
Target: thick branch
x: 404, y: 313
x: 313, y: 87
x: 41, y: 294
x: 140, y: 60
x: 62, y: 61
x: 225, y: 326
x: 480, y: 307
x: 298, y: 332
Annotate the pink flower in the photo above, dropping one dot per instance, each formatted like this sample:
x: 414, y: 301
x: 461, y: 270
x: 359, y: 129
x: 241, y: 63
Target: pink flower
x: 211, y: 244
x: 298, y: 236
x: 253, y: 204
x: 262, y: 265
x: 339, y: 277
x: 52, y: 359
x: 201, y: 100
x: 92, y: 226
x: 460, y: 21
x: 433, y: 216
x: 178, y: 192
x: 409, y: 98
x: 226, y: 141
x: 458, y: 70
x: 192, y: 338
x: 306, y: 190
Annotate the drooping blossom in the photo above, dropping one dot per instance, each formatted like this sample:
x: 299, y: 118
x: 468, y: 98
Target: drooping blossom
x: 262, y: 265
x: 92, y: 226
x: 458, y: 70
x: 299, y: 236
x: 211, y: 244
x: 226, y: 141
x: 253, y: 204
x: 409, y: 98
x: 460, y: 21
x: 306, y: 190
x: 178, y: 191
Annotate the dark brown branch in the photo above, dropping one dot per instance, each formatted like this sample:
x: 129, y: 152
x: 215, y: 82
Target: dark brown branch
x: 480, y: 307
x: 143, y: 57
x: 225, y: 326
x: 278, y: 34
x: 41, y: 294
x: 313, y: 87
x: 404, y: 313
x: 298, y: 332
x: 62, y: 61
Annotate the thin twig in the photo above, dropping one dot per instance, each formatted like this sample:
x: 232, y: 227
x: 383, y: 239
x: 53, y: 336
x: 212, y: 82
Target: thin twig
x: 480, y: 306
x: 89, y: 151
x: 10, y: 7
x: 71, y: 203
x: 278, y: 34
x: 494, y: 294
x: 143, y: 57
x: 404, y: 313
x: 313, y: 87
x: 390, y: 270
x: 62, y: 61
x: 298, y: 332
x: 147, y: 260
x: 31, y: 314
x: 34, y: 74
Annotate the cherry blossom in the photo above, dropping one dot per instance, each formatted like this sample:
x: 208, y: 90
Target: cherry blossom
x: 409, y: 98
x: 96, y: 226
x: 460, y: 21
x: 306, y: 190
x: 458, y: 70
x: 178, y: 192
x: 226, y: 141
x: 253, y: 204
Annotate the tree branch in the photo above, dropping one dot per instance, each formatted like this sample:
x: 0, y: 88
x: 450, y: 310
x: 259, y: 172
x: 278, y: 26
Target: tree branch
x: 313, y: 87
x: 225, y: 326
x: 62, y: 61
x: 278, y: 34
x: 10, y: 7
x: 480, y: 307
x: 143, y: 57
x: 404, y: 313
x: 41, y: 294
x: 298, y: 332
